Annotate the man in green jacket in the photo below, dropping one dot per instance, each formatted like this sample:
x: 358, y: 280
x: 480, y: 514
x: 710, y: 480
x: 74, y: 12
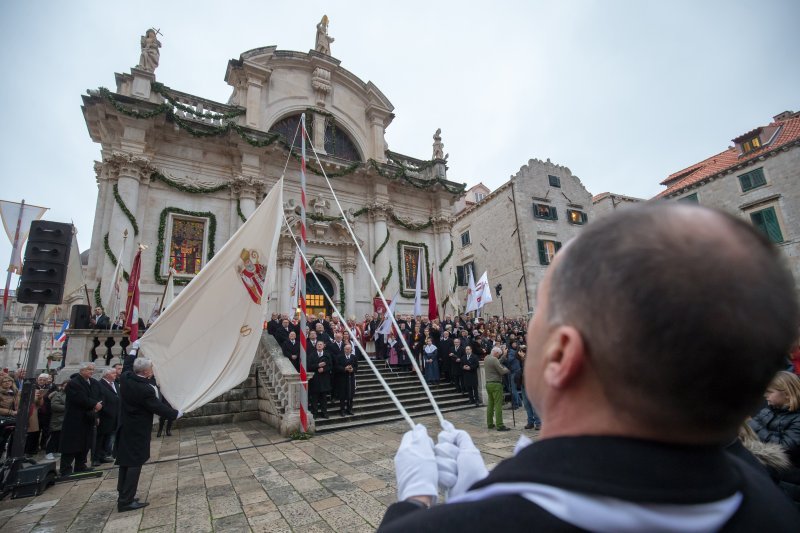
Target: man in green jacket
x: 494, y: 370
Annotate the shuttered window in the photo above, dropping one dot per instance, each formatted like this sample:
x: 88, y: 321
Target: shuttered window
x: 751, y: 180
x: 767, y: 222
x: 547, y: 250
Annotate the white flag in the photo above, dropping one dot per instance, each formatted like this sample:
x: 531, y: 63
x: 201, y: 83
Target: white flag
x: 18, y: 216
x: 169, y: 291
x: 115, y: 285
x: 471, y: 299
x: 204, y: 343
x: 483, y: 293
x: 418, y: 288
x: 294, y: 283
x: 386, y: 325
x: 74, y: 280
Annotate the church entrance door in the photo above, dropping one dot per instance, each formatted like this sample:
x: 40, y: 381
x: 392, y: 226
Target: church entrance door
x: 315, y: 299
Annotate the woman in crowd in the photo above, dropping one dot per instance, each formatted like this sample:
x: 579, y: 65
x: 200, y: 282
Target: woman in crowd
x: 57, y: 406
x: 430, y: 360
x: 8, y: 408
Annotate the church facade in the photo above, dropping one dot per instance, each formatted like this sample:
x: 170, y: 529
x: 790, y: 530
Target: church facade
x: 179, y: 174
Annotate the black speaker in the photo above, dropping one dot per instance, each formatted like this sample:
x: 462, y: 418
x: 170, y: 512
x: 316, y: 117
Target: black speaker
x: 79, y: 317
x: 44, y: 270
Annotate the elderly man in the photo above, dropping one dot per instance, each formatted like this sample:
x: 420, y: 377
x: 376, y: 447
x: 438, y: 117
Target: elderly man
x: 291, y: 349
x: 345, y: 368
x: 644, y: 359
x: 494, y: 369
x: 140, y: 401
x: 82, y: 403
x: 109, y: 417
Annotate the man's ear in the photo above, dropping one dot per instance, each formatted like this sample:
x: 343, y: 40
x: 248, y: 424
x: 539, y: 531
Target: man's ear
x: 565, y: 357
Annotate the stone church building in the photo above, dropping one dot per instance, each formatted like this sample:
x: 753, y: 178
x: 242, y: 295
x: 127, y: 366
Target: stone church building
x: 180, y: 174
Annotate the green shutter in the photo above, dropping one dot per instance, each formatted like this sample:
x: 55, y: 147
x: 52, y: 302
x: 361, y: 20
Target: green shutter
x: 542, y: 252
x: 557, y: 246
x: 553, y: 213
x: 757, y: 176
x: 772, y: 226
x: 746, y: 182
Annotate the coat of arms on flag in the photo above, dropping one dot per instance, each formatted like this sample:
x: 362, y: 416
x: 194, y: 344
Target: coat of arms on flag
x: 253, y: 274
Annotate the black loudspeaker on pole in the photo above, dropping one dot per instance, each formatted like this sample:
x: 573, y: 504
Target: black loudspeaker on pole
x: 44, y: 270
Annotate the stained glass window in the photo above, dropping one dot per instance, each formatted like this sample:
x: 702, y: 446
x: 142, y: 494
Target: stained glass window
x: 186, y: 245
x: 411, y: 257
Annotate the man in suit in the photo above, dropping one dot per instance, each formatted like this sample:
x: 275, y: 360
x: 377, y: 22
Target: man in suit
x: 319, y: 362
x: 321, y: 334
x: 100, y: 320
x: 140, y: 401
x: 345, y: 367
x: 456, y: 356
x: 273, y: 324
x: 444, y: 349
x: 470, y: 364
x: 291, y: 349
x: 282, y: 332
x: 82, y: 404
x: 108, y: 418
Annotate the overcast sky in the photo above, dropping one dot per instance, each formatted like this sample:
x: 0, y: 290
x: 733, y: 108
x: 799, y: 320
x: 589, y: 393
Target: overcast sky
x: 622, y: 92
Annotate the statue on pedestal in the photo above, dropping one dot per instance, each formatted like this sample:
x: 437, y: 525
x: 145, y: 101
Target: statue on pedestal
x: 150, y: 54
x: 323, y: 44
x: 438, y: 145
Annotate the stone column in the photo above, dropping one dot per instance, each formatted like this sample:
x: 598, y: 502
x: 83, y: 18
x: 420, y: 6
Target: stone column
x: 285, y: 262
x: 319, y: 134
x: 349, y: 267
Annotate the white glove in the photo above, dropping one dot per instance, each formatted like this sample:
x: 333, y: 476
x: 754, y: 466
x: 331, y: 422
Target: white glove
x: 180, y: 414
x: 458, y: 461
x: 415, y: 465
x: 522, y: 443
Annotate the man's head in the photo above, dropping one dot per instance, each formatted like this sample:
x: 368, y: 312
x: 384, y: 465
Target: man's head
x: 496, y: 352
x: 320, y: 346
x: 348, y: 349
x: 142, y: 366
x: 118, y: 369
x: 285, y: 323
x: 110, y: 374
x: 43, y: 379
x: 98, y: 310
x: 86, y: 370
x: 468, y: 349
x: 292, y: 335
x: 667, y: 320
x: 319, y: 327
x: 338, y: 336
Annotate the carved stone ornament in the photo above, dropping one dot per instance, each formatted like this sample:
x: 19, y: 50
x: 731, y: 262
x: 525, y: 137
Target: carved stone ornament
x: 192, y: 181
x: 321, y: 83
x: 247, y: 186
x: 438, y: 145
x: 129, y: 165
x: 323, y: 40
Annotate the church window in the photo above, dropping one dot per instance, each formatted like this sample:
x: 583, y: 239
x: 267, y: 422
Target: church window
x: 465, y: 239
x: 751, y: 180
x: 338, y: 143
x: 187, y: 245
x: 544, y: 212
x: 547, y: 250
x: 287, y: 128
x: 576, y: 217
x: 766, y: 221
x: 411, y: 256
x: 555, y: 181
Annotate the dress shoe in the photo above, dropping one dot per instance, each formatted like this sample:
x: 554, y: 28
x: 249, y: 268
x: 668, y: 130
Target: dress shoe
x: 133, y: 506
x: 341, y: 413
x: 324, y: 415
x: 529, y: 426
x: 503, y: 428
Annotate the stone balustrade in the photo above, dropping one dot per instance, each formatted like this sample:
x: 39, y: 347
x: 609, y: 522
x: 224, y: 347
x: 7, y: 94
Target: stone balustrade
x: 205, y: 111
x: 101, y: 346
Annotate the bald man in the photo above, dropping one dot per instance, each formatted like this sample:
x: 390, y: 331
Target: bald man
x: 656, y: 332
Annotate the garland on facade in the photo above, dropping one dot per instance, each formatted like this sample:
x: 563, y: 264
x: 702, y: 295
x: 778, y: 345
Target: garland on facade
x: 131, y: 111
x: 404, y: 173
x: 412, y: 226
x: 162, y: 227
x: 403, y: 292
x: 338, y: 277
x: 160, y: 88
x: 385, y: 281
x: 322, y: 218
x: 348, y: 170
x: 98, y: 301
x: 125, y: 210
x: 239, y: 210
x: 112, y: 257
x: 188, y: 188
x: 380, y: 249
x: 446, y: 259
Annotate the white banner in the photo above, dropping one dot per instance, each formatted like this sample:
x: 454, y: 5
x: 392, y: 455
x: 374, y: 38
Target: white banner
x: 10, y: 213
x: 204, y: 343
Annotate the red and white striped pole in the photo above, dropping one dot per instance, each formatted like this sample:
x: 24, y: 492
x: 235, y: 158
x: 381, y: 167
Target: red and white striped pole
x: 301, y: 283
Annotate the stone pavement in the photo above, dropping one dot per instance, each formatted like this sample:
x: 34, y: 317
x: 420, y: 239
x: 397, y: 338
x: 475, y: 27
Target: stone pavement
x: 246, y: 477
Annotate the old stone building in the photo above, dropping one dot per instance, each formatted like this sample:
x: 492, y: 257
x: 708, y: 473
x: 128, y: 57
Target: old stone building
x: 514, y: 232
x: 606, y: 203
x: 18, y: 328
x: 180, y: 174
x: 758, y: 179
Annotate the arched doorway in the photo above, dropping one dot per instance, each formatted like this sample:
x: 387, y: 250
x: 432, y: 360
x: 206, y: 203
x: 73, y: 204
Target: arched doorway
x: 315, y: 298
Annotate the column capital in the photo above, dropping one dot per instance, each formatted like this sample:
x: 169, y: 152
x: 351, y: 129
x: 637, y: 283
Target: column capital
x: 349, y: 265
x: 128, y: 165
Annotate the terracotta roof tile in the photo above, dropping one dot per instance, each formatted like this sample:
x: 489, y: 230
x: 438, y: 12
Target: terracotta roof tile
x: 789, y: 133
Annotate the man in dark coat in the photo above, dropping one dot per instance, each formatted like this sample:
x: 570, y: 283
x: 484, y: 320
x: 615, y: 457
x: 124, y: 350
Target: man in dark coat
x: 291, y: 349
x: 470, y: 364
x: 345, y: 367
x: 444, y: 349
x: 282, y: 332
x: 140, y: 401
x: 108, y: 418
x: 456, y: 356
x: 319, y: 362
x: 83, y: 402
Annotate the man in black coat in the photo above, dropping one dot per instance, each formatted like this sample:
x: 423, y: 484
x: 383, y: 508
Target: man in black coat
x: 140, y: 401
x: 345, y: 367
x: 291, y: 349
x: 637, y: 404
x: 319, y: 362
x: 100, y: 319
x: 469, y: 365
x: 456, y: 356
x: 282, y: 332
x: 108, y: 418
x: 82, y: 404
x: 444, y: 349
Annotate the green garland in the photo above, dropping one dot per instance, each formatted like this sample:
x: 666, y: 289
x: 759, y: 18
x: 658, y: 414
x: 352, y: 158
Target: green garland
x: 98, y: 302
x: 411, y: 225
x: 385, y: 281
x: 239, y: 210
x: 348, y: 170
x: 132, y: 111
x: 113, y: 258
x: 162, y: 227
x: 160, y: 88
x: 446, y: 259
x: 125, y: 210
x: 188, y: 188
x: 405, y: 293
x: 338, y: 277
x: 380, y: 249
x: 403, y: 173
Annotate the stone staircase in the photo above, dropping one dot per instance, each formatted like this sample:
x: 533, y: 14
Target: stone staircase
x: 372, y: 404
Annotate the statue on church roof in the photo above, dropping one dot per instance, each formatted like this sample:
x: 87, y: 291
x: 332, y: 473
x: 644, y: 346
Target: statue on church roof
x: 323, y: 44
x: 150, y: 54
x: 438, y: 145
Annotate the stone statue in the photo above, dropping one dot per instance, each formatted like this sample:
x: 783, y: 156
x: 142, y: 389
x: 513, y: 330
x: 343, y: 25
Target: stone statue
x: 150, y: 44
x: 438, y: 145
x: 324, y: 40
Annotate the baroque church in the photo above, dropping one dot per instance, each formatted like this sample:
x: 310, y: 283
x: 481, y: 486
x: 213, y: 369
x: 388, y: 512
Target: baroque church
x: 180, y: 174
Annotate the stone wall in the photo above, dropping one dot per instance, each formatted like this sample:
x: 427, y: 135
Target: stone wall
x: 237, y: 405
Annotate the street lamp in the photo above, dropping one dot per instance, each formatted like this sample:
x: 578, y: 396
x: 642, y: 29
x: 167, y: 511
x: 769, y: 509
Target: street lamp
x: 497, y: 289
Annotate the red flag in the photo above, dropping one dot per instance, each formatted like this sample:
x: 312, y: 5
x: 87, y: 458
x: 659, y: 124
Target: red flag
x: 433, y: 309
x: 132, y: 306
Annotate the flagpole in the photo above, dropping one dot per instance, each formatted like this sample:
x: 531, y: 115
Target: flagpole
x: 301, y: 282
x: 14, y: 249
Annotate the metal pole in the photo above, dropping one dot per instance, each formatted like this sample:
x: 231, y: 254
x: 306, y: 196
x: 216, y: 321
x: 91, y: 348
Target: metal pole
x: 301, y: 282
x: 519, y: 242
x: 26, y: 397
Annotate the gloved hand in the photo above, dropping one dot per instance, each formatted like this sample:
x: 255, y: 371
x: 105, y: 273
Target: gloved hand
x: 415, y: 465
x: 458, y: 460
